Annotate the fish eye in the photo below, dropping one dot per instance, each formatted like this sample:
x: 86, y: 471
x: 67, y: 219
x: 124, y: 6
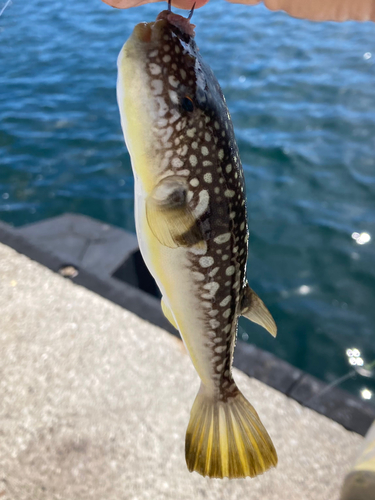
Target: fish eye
x: 187, y: 103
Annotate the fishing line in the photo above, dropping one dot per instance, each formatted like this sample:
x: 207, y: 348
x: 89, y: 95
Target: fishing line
x: 6, y: 5
x: 368, y: 367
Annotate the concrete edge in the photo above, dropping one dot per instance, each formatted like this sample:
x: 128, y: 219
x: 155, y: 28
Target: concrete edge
x: 336, y: 404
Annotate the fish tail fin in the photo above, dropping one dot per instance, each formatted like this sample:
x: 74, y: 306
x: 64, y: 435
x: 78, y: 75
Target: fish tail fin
x: 225, y: 437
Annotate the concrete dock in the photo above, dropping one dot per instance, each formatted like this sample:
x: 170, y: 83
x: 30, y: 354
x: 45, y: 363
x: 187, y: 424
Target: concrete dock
x: 94, y: 404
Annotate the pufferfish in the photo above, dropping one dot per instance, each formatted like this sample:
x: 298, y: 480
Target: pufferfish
x: 191, y: 223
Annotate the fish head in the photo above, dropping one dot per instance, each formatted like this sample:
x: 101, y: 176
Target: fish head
x: 167, y: 95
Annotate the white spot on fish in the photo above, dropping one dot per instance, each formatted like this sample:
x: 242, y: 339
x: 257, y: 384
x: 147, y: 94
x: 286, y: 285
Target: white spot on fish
x: 184, y: 172
x: 177, y: 49
x: 221, y: 348
x: 222, y: 238
x: 202, y: 205
x: 226, y: 313
x: 219, y: 367
x: 228, y: 168
x: 226, y: 301
x: 173, y: 81
x: 213, y: 313
x: 216, y: 125
x: 177, y: 163
x: 194, y: 182
x: 225, y: 257
x: 157, y: 86
x: 207, y: 178
x: 173, y: 96
x: 168, y: 133
x: 163, y: 108
x: 232, y: 215
x: 166, y: 47
x: 155, y: 69
x: 229, y: 193
x: 221, y: 154
x: 213, y: 272
x: 207, y: 163
x: 183, y: 73
x: 227, y: 329
x: 194, y: 145
x: 230, y: 270
x: 154, y: 53
x: 193, y: 160
x: 207, y: 136
x: 214, y: 323
x: 242, y: 226
x: 166, y: 58
x: 180, y: 125
x: 199, y: 249
x: 198, y: 276
x: 214, y: 288
x: 183, y: 150
x: 206, y: 261
x: 204, y: 151
x: 191, y: 131
x: 217, y: 190
x: 161, y: 123
x: 175, y: 116
x: 236, y: 285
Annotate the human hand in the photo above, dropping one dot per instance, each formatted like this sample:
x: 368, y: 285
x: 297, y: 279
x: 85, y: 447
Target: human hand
x: 315, y: 10
x: 180, y: 4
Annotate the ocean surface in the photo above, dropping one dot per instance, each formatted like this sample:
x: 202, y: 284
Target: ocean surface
x: 302, y: 99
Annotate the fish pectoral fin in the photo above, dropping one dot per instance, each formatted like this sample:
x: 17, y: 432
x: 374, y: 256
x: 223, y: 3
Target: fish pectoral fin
x: 253, y: 308
x: 169, y: 215
x: 168, y: 313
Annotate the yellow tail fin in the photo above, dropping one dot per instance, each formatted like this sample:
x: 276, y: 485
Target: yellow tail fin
x: 225, y: 438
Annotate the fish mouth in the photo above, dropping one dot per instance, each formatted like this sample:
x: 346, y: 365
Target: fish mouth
x: 143, y: 32
x: 153, y: 32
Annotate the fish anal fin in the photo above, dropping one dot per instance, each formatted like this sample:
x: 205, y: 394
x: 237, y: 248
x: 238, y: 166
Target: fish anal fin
x: 168, y: 313
x: 225, y: 438
x: 169, y: 215
x: 253, y: 308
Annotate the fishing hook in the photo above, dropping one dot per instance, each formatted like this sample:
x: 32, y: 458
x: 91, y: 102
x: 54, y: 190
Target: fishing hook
x: 191, y: 12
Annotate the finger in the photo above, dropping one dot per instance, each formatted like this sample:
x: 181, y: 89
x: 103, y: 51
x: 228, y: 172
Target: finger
x: 322, y: 10
x: 181, y: 4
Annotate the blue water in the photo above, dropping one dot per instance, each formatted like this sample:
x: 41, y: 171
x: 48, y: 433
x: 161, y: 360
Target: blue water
x: 302, y: 98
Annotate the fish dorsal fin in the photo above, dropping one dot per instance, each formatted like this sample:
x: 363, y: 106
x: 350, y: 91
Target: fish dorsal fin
x: 169, y: 215
x: 168, y: 313
x: 253, y: 308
